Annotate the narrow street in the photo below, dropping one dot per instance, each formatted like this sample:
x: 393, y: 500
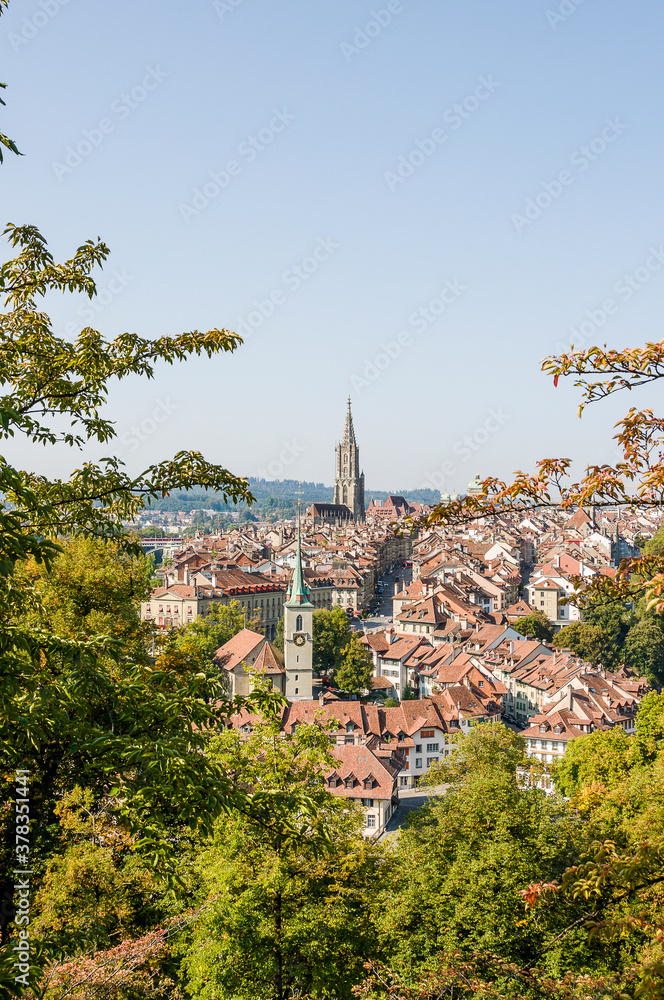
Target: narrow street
x: 409, y: 800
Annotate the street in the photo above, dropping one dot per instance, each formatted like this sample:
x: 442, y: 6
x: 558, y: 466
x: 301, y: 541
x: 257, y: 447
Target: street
x: 383, y: 614
x: 409, y: 800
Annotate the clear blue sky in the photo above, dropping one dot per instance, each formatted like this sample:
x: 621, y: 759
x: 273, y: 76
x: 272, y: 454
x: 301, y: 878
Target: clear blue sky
x: 159, y: 96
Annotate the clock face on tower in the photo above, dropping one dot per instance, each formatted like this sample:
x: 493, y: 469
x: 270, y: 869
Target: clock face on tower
x: 299, y: 639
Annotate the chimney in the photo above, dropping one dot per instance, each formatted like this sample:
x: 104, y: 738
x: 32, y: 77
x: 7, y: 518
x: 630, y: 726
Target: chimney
x: 511, y: 646
x: 186, y: 574
x: 321, y: 698
x: 214, y: 581
x: 389, y: 635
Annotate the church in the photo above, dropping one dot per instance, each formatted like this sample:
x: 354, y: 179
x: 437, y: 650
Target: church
x: 249, y: 653
x: 348, y: 501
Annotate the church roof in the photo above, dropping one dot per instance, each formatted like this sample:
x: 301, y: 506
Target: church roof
x: 298, y: 596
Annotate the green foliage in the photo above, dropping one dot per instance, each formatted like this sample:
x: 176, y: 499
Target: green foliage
x: 4, y: 139
x: 391, y: 703
x: 355, y: 673
x: 331, y: 634
x: 644, y: 648
x: 209, y: 632
x: 655, y: 545
x: 536, y: 626
x: 408, y: 693
x: 279, y: 638
x: 649, y: 737
x: 603, y: 757
x: 594, y: 643
x: 461, y: 863
x: 286, y: 916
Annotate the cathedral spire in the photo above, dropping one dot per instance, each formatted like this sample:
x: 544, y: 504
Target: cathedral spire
x: 349, y: 430
x: 348, y: 480
x: 299, y: 592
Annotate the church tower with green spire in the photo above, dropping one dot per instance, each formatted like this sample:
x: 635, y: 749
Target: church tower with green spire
x: 298, y: 633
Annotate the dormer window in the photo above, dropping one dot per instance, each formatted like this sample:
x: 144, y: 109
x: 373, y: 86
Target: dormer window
x: 542, y: 728
x: 350, y: 727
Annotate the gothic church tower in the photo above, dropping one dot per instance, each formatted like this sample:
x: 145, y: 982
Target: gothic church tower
x: 348, y: 480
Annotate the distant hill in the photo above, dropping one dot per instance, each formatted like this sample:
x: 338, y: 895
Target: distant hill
x: 276, y: 494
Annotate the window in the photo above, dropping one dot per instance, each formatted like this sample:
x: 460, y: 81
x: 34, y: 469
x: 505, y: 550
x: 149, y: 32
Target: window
x: 368, y: 802
x: 418, y: 748
x: 418, y: 762
x: 298, y: 623
x: 433, y: 747
x: 349, y: 740
x: 425, y: 733
x: 295, y: 690
x: 371, y: 820
x: 431, y: 760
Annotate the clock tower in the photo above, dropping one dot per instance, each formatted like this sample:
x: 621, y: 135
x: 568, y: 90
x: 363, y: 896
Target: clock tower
x: 298, y: 633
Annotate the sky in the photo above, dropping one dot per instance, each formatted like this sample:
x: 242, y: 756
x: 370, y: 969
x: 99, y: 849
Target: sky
x: 412, y: 203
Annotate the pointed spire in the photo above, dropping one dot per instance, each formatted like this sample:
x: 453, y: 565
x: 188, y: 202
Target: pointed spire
x: 298, y: 595
x: 349, y: 430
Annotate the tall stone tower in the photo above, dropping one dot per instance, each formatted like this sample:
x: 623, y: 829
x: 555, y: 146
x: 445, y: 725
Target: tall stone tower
x: 299, y: 633
x: 348, y: 480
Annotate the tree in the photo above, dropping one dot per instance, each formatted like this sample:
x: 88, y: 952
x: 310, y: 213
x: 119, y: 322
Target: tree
x: 330, y: 637
x: 355, y: 673
x: 536, y: 626
x: 287, y: 910
x: 279, y: 638
x: 464, y: 858
x: 593, y: 643
x: 92, y: 587
x: 408, y: 693
x: 637, y: 481
x: 649, y: 736
x: 644, y: 648
x: 209, y: 632
x: 603, y: 758
x: 79, y: 706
